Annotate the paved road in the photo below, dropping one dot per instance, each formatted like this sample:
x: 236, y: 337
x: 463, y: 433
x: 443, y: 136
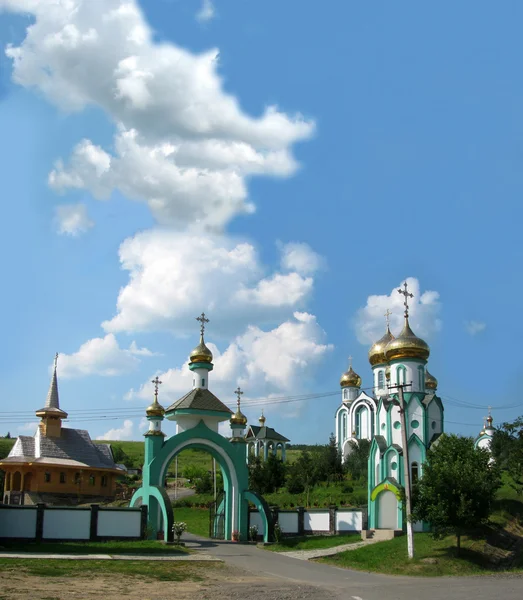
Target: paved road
x: 182, y: 493
x: 356, y: 585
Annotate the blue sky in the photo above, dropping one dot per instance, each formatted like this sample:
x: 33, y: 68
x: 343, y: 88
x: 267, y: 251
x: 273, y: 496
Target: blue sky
x: 393, y: 149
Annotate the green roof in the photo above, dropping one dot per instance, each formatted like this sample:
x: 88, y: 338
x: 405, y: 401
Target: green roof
x: 199, y: 399
x: 264, y: 433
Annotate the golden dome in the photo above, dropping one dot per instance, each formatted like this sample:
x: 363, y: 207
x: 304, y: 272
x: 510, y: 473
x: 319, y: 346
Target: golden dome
x: 377, y: 350
x: 431, y: 383
x: 201, y: 353
x: 407, y: 345
x: 350, y: 379
x: 238, y: 418
x: 155, y: 409
x: 262, y: 419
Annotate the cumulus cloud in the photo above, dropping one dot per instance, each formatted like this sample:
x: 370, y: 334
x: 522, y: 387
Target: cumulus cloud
x: 101, y: 356
x: 184, y: 146
x: 125, y: 432
x: 173, y: 276
x: 72, y: 219
x: 207, y: 12
x: 263, y: 363
x: 475, y: 327
x: 423, y: 313
x: 301, y: 258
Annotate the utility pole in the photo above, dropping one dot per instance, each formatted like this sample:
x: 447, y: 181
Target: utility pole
x: 406, y: 465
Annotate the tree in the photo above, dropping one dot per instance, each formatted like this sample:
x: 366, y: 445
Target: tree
x: 507, y: 451
x: 8, y: 436
x: 266, y: 476
x: 303, y: 472
x: 329, y: 463
x: 119, y: 456
x: 356, y: 462
x: 457, y: 489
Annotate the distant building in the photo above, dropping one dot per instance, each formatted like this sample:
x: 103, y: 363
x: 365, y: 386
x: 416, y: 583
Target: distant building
x: 58, y: 465
x: 484, y: 438
x: 264, y: 441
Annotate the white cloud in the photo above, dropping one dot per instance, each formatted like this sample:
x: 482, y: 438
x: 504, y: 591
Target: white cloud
x: 101, y: 356
x: 72, y: 219
x: 173, y: 276
x: 263, y: 363
x: 184, y: 146
x: 475, y: 327
x: 207, y: 12
x: 300, y: 257
x: 125, y: 432
x: 423, y: 313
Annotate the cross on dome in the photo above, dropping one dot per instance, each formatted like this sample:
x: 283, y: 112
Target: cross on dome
x: 350, y: 362
x: 202, y: 321
x: 156, y: 382
x: 387, y: 315
x: 238, y: 393
x: 407, y: 295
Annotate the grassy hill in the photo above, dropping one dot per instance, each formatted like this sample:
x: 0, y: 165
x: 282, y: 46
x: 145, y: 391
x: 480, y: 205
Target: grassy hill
x: 5, y: 446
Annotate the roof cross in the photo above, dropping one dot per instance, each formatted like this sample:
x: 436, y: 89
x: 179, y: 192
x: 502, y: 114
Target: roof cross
x: 202, y: 320
x: 350, y: 362
x: 407, y: 295
x: 387, y: 315
x: 55, y: 361
x: 156, y: 382
x: 238, y: 393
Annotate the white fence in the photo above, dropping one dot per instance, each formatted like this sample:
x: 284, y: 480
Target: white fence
x: 300, y: 521
x: 43, y: 522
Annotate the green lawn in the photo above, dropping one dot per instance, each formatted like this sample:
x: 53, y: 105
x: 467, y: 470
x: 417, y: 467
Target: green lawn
x: 391, y: 557
x: 313, y: 542
x: 160, y: 571
x: 110, y: 547
x: 197, y: 519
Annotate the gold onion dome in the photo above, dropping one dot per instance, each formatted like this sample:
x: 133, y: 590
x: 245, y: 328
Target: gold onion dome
x: 262, y: 419
x: 377, y: 350
x: 407, y: 345
x: 155, y: 409
x: 238, y: 418
x: 350, y: 379
x: 431, y: 383
x: 201, y: 353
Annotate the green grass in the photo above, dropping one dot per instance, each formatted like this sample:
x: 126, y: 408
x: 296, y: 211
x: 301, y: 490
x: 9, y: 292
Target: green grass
x: 390, y: 557
x: 197, y: 520
x: 313, y: 542
x: 110, y: 547
x: 161, y: 571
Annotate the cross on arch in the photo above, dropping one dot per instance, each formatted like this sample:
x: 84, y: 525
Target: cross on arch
x: 405, y: 292
x: 202, y: 321
x: 156, y: 382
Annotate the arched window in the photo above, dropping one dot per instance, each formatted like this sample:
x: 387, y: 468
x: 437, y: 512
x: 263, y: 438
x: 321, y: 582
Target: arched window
x: 421, y: 378
x: 401, y: 374
x: 414, y: 472
x: 381, y: 380
x: 344, y: 426
x: 345, y: 394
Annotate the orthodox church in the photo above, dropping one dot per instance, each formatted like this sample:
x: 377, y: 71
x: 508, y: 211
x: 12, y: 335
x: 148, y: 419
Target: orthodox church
x: 58, y: 465
x: 484, y: 438
x: 397, y: 363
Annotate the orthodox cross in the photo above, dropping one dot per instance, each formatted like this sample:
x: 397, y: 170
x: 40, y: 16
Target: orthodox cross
x: 407, y: 295
x: 156, y: 382
x: 387, y: 315
x: 350, y: 362
x: 489, y: 410
x: 55, y: 360
x: 239, y: 393
x: 202, y: 320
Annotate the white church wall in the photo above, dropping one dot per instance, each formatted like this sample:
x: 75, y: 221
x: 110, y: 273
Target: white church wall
x: 19, y: 522
x: 395, y: 422
x: 435, y: 417
x: 416, y: 416
x: 393, y: 465
x: 119, y: 523
x: 411, y: 375
x: 66, y: 524
x: 316, y: 521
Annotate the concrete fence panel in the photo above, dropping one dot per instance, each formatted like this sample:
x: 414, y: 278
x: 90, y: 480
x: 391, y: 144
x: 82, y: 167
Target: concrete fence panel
x: 18, y: 522
x: 119, y: 523
x: 66, y: 524
x: 349, y: 520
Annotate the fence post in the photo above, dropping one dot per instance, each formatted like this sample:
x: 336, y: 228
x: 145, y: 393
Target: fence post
x: 143, y: 521
x: 332, y: 518
x: 301, y: 520
x: 40, y: 511
x: 93, y: 528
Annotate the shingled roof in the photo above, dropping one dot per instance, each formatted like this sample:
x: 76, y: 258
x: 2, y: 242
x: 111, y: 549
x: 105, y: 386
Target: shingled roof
x: 264, y: 433
x: 74, y: 447
x: 199, y: 399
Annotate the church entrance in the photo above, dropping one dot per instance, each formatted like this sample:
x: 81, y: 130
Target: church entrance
x: 387, y: 510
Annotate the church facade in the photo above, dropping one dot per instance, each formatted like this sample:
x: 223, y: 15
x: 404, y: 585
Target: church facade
x: 396, y: 362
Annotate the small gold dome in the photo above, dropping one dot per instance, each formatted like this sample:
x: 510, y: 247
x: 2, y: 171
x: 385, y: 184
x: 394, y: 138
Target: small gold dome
x: 377, y: 350
x: 238, y: 418
x: 350, y: 379
x: 155, y: 409
x: 407, y: 345
x: 262, y: 419
x: 431, y: 383
x: 201, y: 353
